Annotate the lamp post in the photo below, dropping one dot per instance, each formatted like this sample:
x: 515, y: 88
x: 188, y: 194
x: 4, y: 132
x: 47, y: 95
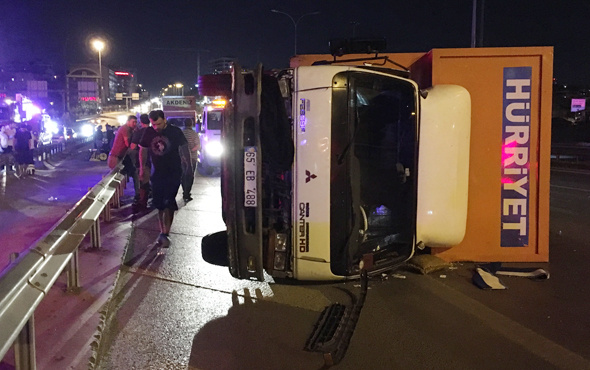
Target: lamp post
x: 98, y: 45
x: 178, y: 85
x: 477, y: 23
x: 295, y: 22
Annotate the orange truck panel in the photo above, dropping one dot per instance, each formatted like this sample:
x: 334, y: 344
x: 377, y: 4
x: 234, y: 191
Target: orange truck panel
x: 482, y: 71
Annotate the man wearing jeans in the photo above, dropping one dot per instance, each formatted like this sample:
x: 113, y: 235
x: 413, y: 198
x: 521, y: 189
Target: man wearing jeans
x: 194, y: 145
x: 144, y: 182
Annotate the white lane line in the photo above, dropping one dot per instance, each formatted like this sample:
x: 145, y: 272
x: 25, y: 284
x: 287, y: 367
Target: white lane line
x: 570, y: 188
x: 567, y: 170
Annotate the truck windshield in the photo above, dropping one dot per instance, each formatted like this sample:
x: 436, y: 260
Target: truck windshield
x: 214, y: 120
x: 373, y: 191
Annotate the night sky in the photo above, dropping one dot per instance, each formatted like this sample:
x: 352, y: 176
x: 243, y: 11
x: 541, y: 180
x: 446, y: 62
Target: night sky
x: 160, y: 39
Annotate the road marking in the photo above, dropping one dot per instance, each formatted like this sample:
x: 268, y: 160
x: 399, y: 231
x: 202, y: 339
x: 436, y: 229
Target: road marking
x: 569, y: 170
x: 535, y: 343
x: 570, y: 188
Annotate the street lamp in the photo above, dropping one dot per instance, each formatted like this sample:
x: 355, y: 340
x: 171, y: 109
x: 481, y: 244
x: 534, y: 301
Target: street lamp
x: 295, y: 22
x: 98, y: 45
x: 178, y: 85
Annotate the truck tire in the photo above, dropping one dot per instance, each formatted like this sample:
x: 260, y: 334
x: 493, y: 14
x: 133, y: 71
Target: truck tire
x: 215, y: 85
x: 214, y: 248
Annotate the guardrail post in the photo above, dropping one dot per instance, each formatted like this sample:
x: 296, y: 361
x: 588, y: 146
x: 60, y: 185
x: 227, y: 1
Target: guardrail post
x: 24, y: 347
x: 95, y: 234
x: 113, y: 200
x: 120, y: 191
x: 116, y: 199
x: 72, y: 272
x: 107, y: 212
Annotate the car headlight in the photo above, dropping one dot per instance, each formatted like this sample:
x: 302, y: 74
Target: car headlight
x: 214, y: 149
x: 87, y: 130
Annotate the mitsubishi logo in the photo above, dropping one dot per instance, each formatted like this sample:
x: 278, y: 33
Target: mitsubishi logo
x: 309, y: 176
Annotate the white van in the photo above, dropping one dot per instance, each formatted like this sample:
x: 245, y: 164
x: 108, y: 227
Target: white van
x: 209, y: 159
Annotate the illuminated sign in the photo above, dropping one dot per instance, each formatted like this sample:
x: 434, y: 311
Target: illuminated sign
x: 578, y: 105
x: 88, y: 98
x: 219, y: 102
x: 122, y: 73
x: 185, y: 103
x: 516, y: 125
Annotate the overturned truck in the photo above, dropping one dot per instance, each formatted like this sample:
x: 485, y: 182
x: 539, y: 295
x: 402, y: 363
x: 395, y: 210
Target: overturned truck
x: 331, y: 170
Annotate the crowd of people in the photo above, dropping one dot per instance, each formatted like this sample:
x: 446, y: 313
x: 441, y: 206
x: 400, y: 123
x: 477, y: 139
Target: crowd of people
x: 159, y: 157
x: 17, y: 143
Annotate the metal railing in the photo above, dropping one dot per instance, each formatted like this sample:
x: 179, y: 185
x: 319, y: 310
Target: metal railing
x: 571, y: 155
x: 27, y: 280
x: 581, y: 150
x: 43, y: 152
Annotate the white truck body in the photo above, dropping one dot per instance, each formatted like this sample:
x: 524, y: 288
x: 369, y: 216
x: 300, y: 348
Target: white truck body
x: 378, y: 168
x: 442, y: 176
x: 210, y: 137
x: 178, y: 108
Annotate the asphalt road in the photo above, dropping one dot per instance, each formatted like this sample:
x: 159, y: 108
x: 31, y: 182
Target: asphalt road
x: 175, y: 311
x: 30, y: 206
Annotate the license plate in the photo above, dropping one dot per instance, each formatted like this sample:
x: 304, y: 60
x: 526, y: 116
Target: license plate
x: 250, y: 199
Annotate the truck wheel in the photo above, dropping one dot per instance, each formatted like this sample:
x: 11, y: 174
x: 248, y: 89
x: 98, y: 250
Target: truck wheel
x: 215, y: 85
x: 214, y: 248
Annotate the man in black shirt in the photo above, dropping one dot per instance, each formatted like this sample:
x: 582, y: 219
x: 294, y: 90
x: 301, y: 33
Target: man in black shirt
x: 167, y: 148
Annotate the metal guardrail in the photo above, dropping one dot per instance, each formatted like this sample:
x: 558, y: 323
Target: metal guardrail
x: 43, y: 152
x: 581, y: 151
x: 27, y: 280
x: 573, y: 156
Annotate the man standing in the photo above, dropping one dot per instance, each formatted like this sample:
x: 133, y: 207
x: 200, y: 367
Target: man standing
x: 194, y: 145
x: 22, y: 147
x: 167, y: 147
x: 119, y: 152
x: 144, y: 179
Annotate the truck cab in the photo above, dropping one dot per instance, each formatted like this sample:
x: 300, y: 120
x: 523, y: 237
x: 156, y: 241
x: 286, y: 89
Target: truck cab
x: 330, y: 170
x: 211, y: 150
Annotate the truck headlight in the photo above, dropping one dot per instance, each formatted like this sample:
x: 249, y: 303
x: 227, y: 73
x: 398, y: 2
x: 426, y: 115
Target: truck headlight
x: 214, y: 149
x: 281, y: 242
x: 279, y: 262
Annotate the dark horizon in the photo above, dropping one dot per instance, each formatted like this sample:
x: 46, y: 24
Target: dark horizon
x: 162, y: 41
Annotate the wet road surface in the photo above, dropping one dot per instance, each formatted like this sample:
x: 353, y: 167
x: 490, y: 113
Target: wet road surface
x: 175, y: 311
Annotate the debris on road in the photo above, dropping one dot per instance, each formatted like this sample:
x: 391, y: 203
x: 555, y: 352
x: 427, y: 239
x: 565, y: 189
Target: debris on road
x: 427, y: 263
x: 486, y: 280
